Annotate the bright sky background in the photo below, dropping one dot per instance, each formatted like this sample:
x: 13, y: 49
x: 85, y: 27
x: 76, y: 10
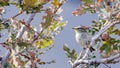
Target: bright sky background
x: 66, y: 36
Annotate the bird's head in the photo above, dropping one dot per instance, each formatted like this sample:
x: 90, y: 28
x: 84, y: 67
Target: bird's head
x: 80, y: 29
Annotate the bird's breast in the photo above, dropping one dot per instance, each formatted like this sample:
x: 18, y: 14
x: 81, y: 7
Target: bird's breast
x: 82, y: 39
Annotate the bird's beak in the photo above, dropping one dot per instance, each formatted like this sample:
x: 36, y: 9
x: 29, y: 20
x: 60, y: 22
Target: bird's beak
x: 74, y: 28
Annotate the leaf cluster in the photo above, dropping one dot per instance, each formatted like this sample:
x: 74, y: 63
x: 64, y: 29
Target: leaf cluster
x: 71, y: 54
x: 25, y: 50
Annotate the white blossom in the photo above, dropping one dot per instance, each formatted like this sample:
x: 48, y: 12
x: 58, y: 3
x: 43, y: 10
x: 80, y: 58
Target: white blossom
x: 63, y: 1
x: 3, y: 10
x: 60, y: 18
x: 59, y: 11
x: 104, y: 14
x: 25, y: 36
x: 27, y: 65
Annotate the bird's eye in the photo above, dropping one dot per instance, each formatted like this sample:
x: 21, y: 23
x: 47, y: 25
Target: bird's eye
x: 80, y: 28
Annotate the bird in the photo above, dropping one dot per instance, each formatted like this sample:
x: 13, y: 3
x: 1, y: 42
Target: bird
x: 83, y: 37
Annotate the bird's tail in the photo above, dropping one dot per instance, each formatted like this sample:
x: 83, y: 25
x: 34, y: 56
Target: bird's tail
x: 91, y: 49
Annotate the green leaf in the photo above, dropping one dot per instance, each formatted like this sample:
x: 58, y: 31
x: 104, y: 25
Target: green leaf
x: 43, y: 43
x: 65, y: 48
x: 6, y: 65
x: 50, y: 62
x: 74, y: 55
x: 55, y: 3
x: 108, y: 49
x: 118, y: 41
x: 47, y: 19
x: 12, y: 38
x: 115, y: 47
x: 70, y: 54
x: 53, y: 26
x: 23, y: 44
x: 4, y: 26
x: 5, y: 3
x: 88, y: 2
x: 84, y: 10
x: 47, y: 43
x: 91, y: 57
x: 92, y: 11
x: 61, y: 24
x: 110, y: 30
x: 29, y: 4
x: 103, y: 46
x: 96, y: 65
x: 1, y: 27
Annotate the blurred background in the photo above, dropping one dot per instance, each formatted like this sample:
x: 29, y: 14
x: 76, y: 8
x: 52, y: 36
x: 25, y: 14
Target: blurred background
x: 66, y: 36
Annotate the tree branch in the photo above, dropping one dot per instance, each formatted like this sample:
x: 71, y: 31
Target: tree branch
x: 98, y: 61
x: 106, y: 65
x: 110, y: 23
x: 19, y: 13
x: 23, y: 28
x: 103, y: 61
x: 86, y: 53
x: 102, y: 30
x: 78, y: 58
x: 19, y: 35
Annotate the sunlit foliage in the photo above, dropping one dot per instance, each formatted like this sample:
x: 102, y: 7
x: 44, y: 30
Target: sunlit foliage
x: 24, y: 50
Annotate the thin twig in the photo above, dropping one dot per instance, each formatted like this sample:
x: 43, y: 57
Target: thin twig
x: 20, y: 52
x: 47, y: 26
x: 86, y: 54
x: 106, y: 65
x: 19, y: 13
x: 23, y: 28
x: 80, y: 55
x: 92, y: 61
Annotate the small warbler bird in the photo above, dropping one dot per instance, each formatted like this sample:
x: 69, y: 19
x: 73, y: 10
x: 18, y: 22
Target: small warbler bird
x: 82, y: 37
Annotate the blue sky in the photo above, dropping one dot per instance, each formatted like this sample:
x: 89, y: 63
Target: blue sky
x: 66, y: 36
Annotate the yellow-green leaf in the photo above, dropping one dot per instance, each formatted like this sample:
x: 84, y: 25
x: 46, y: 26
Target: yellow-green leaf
x: 56, y: 3
x: 47, y: 43
x: 43, y: 43
x: 88, y: 2
x: 29, y: 3
x: 21, y: 44
x: 61, y: 24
